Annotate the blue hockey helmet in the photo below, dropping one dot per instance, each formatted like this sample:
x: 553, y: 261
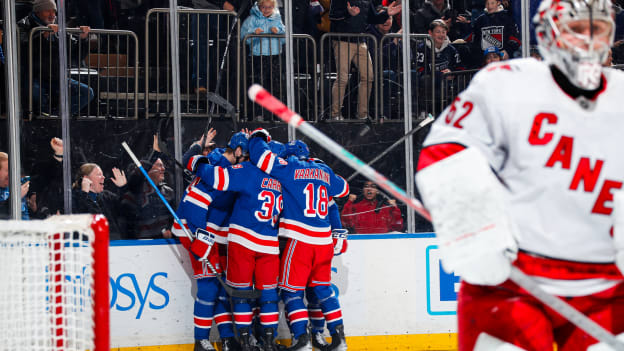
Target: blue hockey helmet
x: 277, y: 148
x: 297, y: 148
x: 239, y: 139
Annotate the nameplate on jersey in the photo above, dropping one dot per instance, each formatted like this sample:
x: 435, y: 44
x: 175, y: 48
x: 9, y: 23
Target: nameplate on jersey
x: 205, y: 236
x: 237, y: 166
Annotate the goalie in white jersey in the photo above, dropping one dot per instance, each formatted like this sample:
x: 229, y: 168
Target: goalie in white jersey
x: 525, y: 168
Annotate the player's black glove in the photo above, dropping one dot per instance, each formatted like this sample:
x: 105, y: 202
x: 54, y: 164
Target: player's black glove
x: 260, y: 133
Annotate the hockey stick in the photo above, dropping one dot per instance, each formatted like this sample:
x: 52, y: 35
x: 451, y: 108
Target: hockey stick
x: 259, y: 95
x: 244, y: 294
x: 420, y: 125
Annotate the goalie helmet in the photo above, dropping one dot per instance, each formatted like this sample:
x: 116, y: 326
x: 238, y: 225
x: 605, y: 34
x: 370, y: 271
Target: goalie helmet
x: 575, y: 36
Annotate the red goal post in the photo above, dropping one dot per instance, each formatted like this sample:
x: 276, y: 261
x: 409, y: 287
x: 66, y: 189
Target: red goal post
x: 54, y: 284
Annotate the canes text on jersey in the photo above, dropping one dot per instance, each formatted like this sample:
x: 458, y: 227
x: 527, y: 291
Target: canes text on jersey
x: 562, y: 156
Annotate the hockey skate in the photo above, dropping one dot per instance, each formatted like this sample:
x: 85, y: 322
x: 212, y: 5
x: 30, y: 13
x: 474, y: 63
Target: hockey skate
x: 268, y: 340
x: 339, y: 343
x: 203, y: 345
x: 229, y: 344
x: 301, y: 344
x: 318, y: 341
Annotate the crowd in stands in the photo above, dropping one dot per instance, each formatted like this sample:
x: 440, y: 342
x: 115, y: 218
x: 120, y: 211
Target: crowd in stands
x: 464, y: 36
x: 462, y: 33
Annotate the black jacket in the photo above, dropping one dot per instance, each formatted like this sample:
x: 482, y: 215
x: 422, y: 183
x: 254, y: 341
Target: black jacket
x: 343, y: 22
x: 46, y: 62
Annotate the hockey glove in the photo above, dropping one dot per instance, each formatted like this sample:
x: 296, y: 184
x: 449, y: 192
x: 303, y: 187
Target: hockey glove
x: 260, y: 133
x: 339, y: 236
x: 470, y: 215
x: 202, y: 244
x: 195, y: 161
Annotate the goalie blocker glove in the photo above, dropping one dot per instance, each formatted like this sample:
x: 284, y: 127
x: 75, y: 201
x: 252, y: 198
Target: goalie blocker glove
x: 202, y: 244
x: 339, y: 237
x: 468, y: 206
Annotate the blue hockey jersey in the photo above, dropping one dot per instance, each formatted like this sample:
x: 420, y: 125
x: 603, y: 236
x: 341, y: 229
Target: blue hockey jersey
x: 307, y: 188
x: 254, y: 218
x: 202, y: 206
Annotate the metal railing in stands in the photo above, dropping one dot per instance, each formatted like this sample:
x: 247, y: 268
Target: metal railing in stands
x: 390, y: 68
x: 103, y: 73
x: 269, y: 70
x: 454, y: 83
x: 202, y: 39
x: 330, y: 76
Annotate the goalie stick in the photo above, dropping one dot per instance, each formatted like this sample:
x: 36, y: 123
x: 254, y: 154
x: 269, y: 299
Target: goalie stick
x: 262, y: 97
x: 244, y: 294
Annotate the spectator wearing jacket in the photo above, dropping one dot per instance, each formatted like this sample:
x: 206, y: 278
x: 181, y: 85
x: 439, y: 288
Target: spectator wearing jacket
x: 496, y: 28
x: 352, y: 17
x: 265, y: 51
x: 370, y: 214
x: 89, y: 196
x: 46, y: 64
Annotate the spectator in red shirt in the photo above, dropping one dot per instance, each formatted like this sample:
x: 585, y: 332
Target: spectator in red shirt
x: 369, y: 213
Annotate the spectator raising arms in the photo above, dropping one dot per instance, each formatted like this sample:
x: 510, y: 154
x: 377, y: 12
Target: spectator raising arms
x: 369, y: 213
x: 89, y: 196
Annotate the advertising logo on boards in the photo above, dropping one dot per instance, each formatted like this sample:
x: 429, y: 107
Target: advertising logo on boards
x: 442, y: 287
x: 129, y: 293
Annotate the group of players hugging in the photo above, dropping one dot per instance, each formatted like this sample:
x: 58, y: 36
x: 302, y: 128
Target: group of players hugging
x: 241, y: 198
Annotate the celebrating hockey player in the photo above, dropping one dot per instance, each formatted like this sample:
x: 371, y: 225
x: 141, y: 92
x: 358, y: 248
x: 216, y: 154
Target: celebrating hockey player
x: 307, y: 188
x: 253, y: 250
x: 202, y: 207
x: 522, y: 169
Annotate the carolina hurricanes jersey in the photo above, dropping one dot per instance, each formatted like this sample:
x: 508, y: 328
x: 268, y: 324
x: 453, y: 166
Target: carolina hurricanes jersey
x: 253, y: 222
x: 307, y: 188
x: 202, y: 206
x: 561, y: 162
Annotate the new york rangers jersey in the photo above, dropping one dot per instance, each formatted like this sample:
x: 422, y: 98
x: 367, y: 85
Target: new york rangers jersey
x: 254, y: 218
x: 559, y: 158
x: 202, y: 206
x: 307, y: 188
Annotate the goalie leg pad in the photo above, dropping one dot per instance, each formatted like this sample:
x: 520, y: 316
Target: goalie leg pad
x: 296, y: 312
x: 469, y: 205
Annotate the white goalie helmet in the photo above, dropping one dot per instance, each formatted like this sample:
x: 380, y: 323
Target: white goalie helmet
x: 566, y: 38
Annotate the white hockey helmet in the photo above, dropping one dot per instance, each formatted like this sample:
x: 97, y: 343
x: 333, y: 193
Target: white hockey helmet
x: 566, y: 39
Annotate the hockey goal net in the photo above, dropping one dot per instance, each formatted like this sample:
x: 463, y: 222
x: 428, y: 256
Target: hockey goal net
x: 54, y: 284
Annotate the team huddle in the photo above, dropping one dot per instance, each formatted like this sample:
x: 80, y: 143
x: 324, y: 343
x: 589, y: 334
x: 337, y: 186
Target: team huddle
x: 241, y: 198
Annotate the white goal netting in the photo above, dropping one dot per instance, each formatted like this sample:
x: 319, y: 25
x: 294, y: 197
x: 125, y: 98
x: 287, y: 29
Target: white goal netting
x: 47, y: 276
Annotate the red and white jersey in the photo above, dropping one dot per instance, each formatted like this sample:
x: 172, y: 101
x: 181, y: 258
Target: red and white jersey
x: 560, y: 162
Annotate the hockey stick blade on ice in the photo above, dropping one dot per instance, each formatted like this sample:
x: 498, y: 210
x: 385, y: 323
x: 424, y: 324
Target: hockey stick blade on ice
x: 262, y: 97
x: 244, y: 294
